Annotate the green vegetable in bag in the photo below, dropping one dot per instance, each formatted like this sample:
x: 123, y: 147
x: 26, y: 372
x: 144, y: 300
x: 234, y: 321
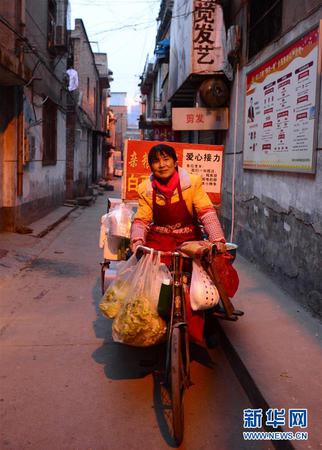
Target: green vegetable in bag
x: 139, y: 324
x: 118, y: 290
x: 113, y: 299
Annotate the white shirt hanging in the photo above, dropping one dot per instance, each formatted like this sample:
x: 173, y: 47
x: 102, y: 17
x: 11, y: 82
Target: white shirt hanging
x: 73, y: 79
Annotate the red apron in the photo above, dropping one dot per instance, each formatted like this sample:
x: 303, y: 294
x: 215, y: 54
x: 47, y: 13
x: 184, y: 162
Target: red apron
x: 171, y: 216
x: 176, y: 216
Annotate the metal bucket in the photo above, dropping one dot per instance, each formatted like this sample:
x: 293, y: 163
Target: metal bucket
x: 232, y: 249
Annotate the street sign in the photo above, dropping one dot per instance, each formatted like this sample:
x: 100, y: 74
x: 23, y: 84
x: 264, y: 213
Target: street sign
x: 200, y: 119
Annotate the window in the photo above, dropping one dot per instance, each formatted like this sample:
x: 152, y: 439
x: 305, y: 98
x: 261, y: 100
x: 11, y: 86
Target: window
x: 265, y: 22
x: 49, y: 133
x: 95, y: 104
x: 57, y: 26
x: 51, y: 24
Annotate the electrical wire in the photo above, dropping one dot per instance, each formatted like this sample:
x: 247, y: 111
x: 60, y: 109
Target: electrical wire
x: 31, y: 47
x: 140, y: 14
x: 234, y: 157
x: 135, y: 25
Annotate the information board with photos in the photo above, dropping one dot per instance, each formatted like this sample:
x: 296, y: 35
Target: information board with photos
x: 281, y: 110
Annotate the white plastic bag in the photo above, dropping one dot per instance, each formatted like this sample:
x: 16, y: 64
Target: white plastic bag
x: 119, y: 220
x: 138, y: 323
x: 118, y: 290
x: 203, y: 292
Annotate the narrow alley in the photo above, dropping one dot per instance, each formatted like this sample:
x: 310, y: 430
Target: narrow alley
x: 65, y: 385
x: 197, y: 125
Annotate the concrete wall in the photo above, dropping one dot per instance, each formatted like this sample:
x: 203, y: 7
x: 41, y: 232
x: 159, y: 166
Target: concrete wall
x: 43, y: 187
x: 11, y: 55
x: 84, y: 63
x: 120, y: 113
x: 79, y: 158
x: 278, y: 215
x: 50, y: 71
x: 87, y: 112
x: 8, y: 143
x: 100, y: 160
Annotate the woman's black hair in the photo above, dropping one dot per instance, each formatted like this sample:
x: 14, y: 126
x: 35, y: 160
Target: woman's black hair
x: 161, y: 149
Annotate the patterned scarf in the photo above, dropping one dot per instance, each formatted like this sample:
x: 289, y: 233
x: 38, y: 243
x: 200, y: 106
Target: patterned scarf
x: 167, y: 189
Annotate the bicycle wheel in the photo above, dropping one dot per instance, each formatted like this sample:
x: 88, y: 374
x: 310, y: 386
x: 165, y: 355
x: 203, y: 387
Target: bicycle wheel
x: 177, y: 384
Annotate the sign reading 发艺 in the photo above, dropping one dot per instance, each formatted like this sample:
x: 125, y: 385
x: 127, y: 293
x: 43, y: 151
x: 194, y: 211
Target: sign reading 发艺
x: 199, y: 159
x: 208, y: 34
x: 281, y: 111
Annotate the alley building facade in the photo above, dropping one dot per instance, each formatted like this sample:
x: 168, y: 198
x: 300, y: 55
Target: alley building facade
x: 52, y: 125
x: 32, y: 109
x: 87, y: 114
x: 229, y: 59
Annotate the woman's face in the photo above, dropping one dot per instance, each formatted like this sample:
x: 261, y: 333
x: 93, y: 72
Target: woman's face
x: 163, y: 167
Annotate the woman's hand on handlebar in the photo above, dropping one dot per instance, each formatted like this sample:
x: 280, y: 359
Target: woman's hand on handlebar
x: 220, y: 247
x: 134, y: 245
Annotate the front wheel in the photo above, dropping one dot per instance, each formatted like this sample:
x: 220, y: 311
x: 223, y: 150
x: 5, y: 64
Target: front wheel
x: 177, y: 384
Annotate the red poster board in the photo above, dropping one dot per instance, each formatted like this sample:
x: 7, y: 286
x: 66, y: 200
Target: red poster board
x: 200, y: 159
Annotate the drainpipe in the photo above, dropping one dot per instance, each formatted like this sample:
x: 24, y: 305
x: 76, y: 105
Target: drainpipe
x: 21, y: 21
x: 20, y: 140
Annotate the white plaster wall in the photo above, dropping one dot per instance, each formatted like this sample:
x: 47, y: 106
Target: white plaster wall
x: 44, y: 181
x: 82, y: 161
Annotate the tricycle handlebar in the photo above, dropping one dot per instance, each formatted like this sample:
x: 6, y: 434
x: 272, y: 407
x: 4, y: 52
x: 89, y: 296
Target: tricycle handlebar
x: 145, y: 249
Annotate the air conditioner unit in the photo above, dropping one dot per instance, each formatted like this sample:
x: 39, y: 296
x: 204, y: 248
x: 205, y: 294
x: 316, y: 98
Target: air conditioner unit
x: 233, y: 42
x: 60, y: 36
x: 60, y: 25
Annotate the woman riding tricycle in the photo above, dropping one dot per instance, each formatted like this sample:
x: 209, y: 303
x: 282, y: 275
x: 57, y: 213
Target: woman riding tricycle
x: 166, y: 231
x: 172, y: 202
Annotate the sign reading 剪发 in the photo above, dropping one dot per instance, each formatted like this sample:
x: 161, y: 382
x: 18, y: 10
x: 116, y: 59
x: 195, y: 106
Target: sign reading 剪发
x: 200, y: 119
x: 199, y: 159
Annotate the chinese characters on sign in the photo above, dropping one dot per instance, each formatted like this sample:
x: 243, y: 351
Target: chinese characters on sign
x: 159, y: 134
x: 135, y: 163
x: 199, y: 159
x: 208, y: 36
x: 203, y: 28
x: 280, y: 113
x: 207, y: 165
x: 195, y: 118
x: 253, y: 418
x: 296, y: 420
x: 200, y: 119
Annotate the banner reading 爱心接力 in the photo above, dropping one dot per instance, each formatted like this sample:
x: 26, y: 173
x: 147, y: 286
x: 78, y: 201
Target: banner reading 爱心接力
x: 199, y: 159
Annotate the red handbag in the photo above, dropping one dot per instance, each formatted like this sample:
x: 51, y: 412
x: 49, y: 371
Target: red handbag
x: 195, y: 321
x: 228, y: 275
